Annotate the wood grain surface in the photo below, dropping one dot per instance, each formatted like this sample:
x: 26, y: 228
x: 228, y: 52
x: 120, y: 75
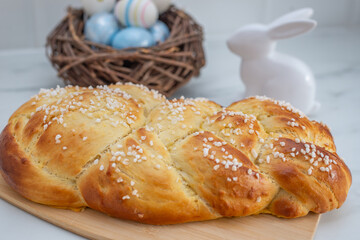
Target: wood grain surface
x: 95, y: 225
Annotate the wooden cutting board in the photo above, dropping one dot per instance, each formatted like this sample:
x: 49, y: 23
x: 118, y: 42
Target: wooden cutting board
x: 95, y: 225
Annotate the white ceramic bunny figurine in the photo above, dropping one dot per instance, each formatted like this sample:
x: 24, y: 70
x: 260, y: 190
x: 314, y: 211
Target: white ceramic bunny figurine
x: 267, y: 72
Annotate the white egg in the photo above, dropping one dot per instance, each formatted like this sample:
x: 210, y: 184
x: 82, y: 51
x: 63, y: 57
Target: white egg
x: 136, y: 13
x: 162, y: 5
x: 94, y: 6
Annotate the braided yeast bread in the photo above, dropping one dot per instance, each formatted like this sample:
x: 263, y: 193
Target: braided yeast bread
x: 128, y: 152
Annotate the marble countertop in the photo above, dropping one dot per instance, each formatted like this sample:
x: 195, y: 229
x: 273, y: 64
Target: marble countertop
x: 333, y: 54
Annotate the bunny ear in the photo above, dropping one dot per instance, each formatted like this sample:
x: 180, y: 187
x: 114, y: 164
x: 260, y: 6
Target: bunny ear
x: 291, y: 29
x: 301, y: 14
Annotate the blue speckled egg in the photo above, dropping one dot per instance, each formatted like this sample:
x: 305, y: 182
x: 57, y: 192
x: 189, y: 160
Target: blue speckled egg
x: 160, y: 31
x: 101, y: 27
x: 133, y: 37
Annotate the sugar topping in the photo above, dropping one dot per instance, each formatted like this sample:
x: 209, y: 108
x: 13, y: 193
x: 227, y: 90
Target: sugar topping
x: 106, y: 104
x: 110, y: 106
x: 284, y: 105
x: 125, y: 197
x: 316, y: 158
x: 175, y: 110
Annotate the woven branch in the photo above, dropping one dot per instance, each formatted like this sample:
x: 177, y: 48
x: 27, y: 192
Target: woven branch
x: 164, y: 67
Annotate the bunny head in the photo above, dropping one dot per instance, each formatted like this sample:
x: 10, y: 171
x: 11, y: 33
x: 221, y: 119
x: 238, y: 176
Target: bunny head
x: 250, y: 41
x: 257, y: 40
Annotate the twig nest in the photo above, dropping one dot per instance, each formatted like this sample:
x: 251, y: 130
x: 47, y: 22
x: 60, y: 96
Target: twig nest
x: 165, y: 66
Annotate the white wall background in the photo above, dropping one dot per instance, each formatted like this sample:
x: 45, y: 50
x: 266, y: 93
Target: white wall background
x: 25, y: 23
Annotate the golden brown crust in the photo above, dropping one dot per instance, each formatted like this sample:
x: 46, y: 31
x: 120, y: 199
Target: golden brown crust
x: 156, y: 194
x: 30, y: 181
x: 235, y: 190
x: 132, y: 154
x: 287, y: 206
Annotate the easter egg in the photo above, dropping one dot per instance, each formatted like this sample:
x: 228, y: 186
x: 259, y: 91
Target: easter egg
x: 101, y: 27
x: 94, y: 6
x: 133, y: 37
x: 160, y: 31
x: 162, y: 5
x: 136, y: 13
